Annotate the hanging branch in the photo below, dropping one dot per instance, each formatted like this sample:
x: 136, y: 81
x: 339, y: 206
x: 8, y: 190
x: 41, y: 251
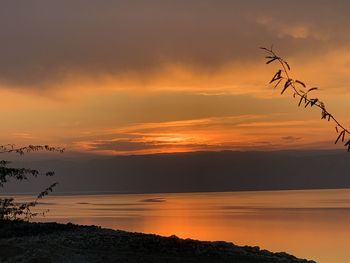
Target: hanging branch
x: 300, y: 90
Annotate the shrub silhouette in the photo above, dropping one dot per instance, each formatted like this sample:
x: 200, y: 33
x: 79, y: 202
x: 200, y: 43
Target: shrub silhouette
x: 282, y: 78
x: 9, y: 208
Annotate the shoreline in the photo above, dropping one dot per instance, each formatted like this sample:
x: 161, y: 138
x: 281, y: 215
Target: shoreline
x: 93, y: 193
x: 53, y: 242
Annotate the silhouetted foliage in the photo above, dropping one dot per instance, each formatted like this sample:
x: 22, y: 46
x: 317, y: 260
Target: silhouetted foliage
x: 9, y: 208
x: 283, y: 78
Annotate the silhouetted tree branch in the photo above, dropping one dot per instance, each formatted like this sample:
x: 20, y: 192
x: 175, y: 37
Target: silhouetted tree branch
x: 9, y: 208
x: 8, y: 148
x: 282, y: 78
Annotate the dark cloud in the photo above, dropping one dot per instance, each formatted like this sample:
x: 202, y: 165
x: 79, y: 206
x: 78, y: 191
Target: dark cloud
x: 154, y: 200
x: 119, y: 146
x: 128, y: 146
x: 124, y: 145
x: 42, y: 41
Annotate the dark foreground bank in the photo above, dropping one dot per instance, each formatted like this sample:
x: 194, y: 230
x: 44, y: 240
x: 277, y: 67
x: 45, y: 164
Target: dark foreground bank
x: 52, y: 242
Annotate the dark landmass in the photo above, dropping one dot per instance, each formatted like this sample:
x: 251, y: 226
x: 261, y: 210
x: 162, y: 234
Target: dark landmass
x: 52, y: 242
x: 189, y: 172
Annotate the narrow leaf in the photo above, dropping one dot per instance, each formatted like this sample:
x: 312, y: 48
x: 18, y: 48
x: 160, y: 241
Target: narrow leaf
x: 313, y: 102
x: 276, y: 76
x: 301, y: 100
x: 278, y: 82
x: 314, y: 88
x: 286, y: 85
x: 348, y: 145
x: 285, y: 62
x: 271, y: 60
x: 339, y: 136
x: 301, y: 83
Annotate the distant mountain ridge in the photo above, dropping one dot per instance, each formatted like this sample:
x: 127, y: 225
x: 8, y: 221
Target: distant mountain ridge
x: 192, y: 172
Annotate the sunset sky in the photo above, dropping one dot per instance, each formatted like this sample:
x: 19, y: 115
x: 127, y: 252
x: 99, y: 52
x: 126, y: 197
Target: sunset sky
x: 136, y: 77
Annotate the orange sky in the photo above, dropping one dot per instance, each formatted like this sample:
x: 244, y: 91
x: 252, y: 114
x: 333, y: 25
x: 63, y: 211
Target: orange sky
x: 126, y: 78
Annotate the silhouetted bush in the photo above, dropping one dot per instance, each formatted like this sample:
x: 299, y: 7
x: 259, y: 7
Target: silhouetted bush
x: 9, y: 208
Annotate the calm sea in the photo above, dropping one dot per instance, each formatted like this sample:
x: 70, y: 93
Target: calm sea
x: 313, y: 224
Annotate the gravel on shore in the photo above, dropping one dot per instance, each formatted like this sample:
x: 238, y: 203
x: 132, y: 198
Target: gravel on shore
x: 53, y: 242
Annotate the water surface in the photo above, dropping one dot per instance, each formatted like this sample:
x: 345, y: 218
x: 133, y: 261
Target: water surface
x: 313, y: 224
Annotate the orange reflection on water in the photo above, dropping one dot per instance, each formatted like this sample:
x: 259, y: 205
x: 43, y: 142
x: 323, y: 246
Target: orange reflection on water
x: 308, y: 224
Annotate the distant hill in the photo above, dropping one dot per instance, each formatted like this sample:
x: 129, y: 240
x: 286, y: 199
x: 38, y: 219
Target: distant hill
x: 192, y: 172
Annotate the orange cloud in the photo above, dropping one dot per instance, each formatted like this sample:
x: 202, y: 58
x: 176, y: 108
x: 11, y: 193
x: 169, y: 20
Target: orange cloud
x: 225, y: 133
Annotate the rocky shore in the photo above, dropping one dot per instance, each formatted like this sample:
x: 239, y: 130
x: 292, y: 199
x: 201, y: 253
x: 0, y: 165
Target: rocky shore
x: 52, y: 242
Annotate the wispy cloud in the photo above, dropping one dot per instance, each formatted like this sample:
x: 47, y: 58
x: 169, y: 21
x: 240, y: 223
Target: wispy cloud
x: 224, y: 133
